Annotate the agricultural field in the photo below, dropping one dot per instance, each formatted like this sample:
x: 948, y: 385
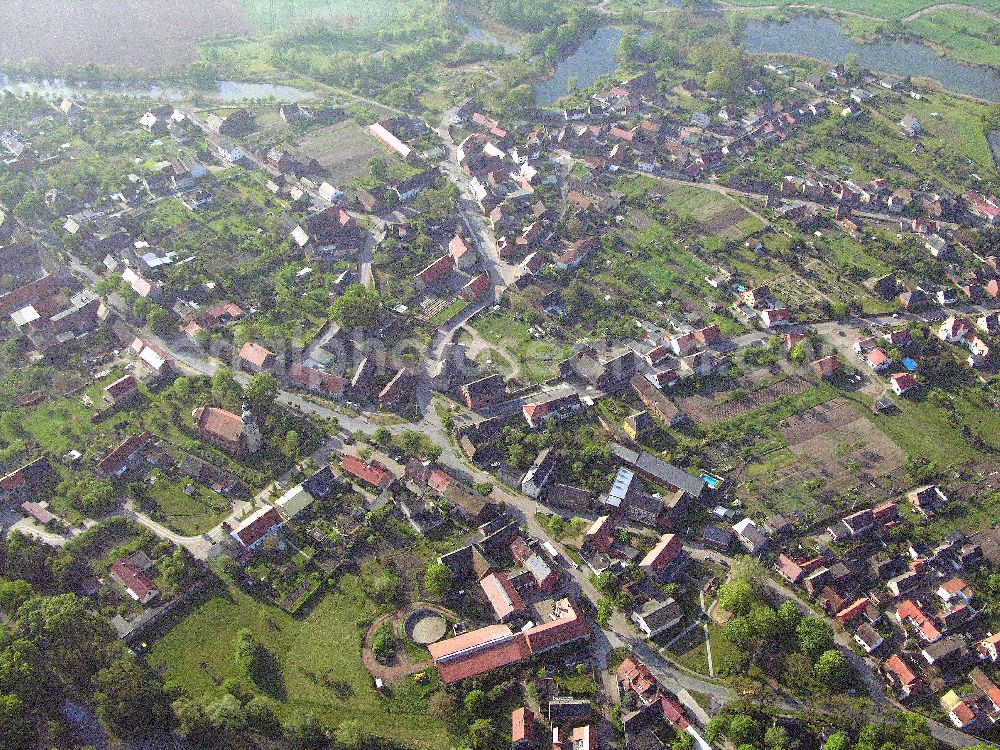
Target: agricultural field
x: 717, y: 215
x: 966, y: 36
x: 269, y: 15
x: 739, y: 398
x: 120, y: 33
x: 953, y: 146
x: 313, y: 666
x: 342, y: 150
x: 828, y: 449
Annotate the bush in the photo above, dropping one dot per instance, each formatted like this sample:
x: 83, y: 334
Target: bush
x: 384, y: 643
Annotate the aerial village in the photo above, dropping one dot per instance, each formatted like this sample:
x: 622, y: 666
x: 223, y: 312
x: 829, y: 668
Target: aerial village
x: 615, y: 431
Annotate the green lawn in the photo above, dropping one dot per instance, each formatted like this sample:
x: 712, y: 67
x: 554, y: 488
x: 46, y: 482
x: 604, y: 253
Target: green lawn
x: 926, y: 430
x: 457, y: 305
x: 537, y: 357
x: 970, y: 517
x: 318, y: 661
x: 189, y: 515
x: 691, y: 651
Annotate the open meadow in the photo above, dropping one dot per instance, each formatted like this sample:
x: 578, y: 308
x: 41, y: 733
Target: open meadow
x: 314, y: 663
x: 119, y: 33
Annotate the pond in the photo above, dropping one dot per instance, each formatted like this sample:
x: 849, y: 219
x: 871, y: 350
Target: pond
x: 823, y: 39
x: 224, y: 91
x: 594, y: 58
x: 994, y: 140
x: 476, y: 33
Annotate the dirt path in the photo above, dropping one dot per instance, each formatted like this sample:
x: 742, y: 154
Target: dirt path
x: 739, y: 8
x: 402, y: 665
x: 952, y: 6
x: 389, y: 672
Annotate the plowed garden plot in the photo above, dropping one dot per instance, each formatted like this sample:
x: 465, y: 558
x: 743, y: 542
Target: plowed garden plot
x: 845, y: 443
x: 831, y: 449
x: 712, y: 409
x: 147, y: 34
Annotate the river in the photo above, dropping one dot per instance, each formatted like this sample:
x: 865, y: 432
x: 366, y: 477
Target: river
x: 595, y: 57
x: 224, y: 91
x: 824, y: 39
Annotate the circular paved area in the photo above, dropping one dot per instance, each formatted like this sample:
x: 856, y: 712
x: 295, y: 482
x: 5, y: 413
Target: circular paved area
x: 424, y: 626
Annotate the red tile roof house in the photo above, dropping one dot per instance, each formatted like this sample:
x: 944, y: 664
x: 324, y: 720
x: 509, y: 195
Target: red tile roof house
x: 369, y: 474
x: 878, y: 360
x: 440, y: 481
x: 775, y: 316
x: 125, y: 456
x: 522, y: 729
x: 708, y: 335
x: 955, y: 330
x: 908, y: 613
x: 23, y: 484
x: 583, y: 738
x: 122, y: 391
x: 434, y: 272
x: 257, y: 527
x: 684, y: 343
x: 462, y: 253
x: 901, y: 676
x: 539, y: 412
x: 256, y: 358
x: 827, y: 366
x: 38, y: 512
x: 902, y: 382
x: 480, y: 651
x: 316, y: 380
x: 506, y: 602
x: 231, y: 432
x: 962, y: 715
x: 131, y: 574
x: 848, y: 614
x: 662, y: 555
x: 989, y: 647
x: 477, y: 288
x: 154, y: 358
x: 576, y: 253
x: 223, y: 314
x: 955, y: 590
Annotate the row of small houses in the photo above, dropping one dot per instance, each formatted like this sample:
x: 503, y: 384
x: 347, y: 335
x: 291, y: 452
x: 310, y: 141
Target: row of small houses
x: 916, y: 608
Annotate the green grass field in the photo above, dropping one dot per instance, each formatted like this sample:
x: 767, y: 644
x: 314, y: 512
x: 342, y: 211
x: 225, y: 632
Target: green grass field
x: 318, y: 660
x: 272, y: 14
x: 925, y: 430
x: 967, y: 36
x: 891, y: 10
x: 537, y: 357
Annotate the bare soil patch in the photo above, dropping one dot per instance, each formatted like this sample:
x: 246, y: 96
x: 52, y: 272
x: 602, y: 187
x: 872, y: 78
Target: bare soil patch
x: 834, y: 455
x: 342, y: 151
x: 146, y: 34
x: 723, y: 221
x: 844, y: 444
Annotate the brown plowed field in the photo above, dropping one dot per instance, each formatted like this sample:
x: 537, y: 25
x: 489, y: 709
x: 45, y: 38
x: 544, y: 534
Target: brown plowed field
x: 146, y: 34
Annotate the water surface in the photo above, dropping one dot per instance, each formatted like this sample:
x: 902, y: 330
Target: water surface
x: 823, y: 39
x: 595, y: 57
x: 224, y: 91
